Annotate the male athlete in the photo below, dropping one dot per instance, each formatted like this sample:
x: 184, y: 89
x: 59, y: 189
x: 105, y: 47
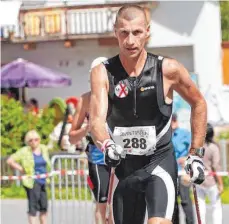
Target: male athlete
x: 99, y: 173
x: 133, y: 93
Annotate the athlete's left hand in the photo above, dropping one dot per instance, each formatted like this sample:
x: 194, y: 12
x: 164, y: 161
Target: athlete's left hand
x: 195, y: 167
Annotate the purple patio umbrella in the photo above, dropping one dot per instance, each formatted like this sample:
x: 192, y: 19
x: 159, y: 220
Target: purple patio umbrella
x: 21, y: 73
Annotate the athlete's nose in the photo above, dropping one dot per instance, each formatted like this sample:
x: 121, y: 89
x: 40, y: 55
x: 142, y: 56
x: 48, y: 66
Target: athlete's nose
x: 130, y: 39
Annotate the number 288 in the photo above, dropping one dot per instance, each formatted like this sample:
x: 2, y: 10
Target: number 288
x: 135, y: 143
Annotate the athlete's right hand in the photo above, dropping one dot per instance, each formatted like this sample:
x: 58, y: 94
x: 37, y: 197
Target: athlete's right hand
x: 195, y: 167
x: 112, y: 153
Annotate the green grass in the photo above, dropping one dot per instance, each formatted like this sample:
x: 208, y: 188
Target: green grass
x: 224, y: 197
x: 15, y: 192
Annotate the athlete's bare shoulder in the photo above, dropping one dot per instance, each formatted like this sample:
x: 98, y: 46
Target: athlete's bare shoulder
x: 170, y: 70
x: 99, y: 77
x: 177, y: 78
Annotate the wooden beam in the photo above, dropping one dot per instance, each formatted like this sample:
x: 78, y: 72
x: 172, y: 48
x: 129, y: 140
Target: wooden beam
x: 59, y: 37
x: 109, y: 41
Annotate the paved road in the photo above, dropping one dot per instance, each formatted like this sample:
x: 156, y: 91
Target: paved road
x: 14, y: 211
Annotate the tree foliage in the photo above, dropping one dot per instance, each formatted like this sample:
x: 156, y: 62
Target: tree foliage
x: 15, y: 123
x: 224, y: 6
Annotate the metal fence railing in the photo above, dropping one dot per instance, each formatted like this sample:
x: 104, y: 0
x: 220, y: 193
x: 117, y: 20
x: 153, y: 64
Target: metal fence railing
x: 5, y: 170
x: 72, y: 199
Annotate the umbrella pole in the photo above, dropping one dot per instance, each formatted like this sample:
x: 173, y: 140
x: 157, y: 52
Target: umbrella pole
x: 20, y: 94
x: 24, y: 100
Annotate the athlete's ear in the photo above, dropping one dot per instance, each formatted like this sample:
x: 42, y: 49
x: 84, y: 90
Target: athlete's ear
x: 115, y: 30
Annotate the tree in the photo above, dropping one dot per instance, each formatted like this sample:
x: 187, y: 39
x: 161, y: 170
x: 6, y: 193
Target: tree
x: 224, y: 7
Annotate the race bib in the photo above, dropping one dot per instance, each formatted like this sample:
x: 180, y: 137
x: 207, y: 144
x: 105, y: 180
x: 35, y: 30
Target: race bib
x: 139, y: 140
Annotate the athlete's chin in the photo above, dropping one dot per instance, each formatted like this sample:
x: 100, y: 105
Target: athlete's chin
x: 132, y: 54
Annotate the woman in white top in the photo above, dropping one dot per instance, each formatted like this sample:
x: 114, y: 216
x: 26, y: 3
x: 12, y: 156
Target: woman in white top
x: 213, y: 185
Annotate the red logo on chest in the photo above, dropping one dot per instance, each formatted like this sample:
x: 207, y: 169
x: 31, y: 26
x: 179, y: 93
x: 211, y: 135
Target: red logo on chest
x: 121, y: 90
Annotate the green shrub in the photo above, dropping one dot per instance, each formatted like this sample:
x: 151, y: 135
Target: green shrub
x: 225, y: 196
x: 224, y: 135
x: 226, y: 182
x: 15, y: 123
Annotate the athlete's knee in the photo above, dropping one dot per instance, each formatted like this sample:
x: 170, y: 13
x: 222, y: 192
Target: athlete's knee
x: 158, y: 220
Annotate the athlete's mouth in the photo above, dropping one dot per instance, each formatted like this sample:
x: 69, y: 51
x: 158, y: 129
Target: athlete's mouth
x: 132, y: 49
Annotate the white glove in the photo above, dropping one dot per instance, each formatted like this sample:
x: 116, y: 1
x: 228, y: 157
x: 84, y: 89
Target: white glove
x: 65, y: 142
x: 195, y: 167
x: 112, y: 153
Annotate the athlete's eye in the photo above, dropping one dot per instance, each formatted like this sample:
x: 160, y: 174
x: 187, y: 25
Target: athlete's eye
x: 124, y: 33
x: 137, y: 32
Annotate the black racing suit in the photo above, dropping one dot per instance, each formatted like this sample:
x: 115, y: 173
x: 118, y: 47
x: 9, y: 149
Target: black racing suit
x: 138, y: 113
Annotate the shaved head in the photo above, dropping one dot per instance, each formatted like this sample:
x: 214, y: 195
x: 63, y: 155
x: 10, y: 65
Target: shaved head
x: 132, y: 30
x: 130, y: 12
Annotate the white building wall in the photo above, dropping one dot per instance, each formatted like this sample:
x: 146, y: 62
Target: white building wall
x: 75, y: 62
x: 207, y: 48
x: 182, y: 54
x: 187, y: 31
x: 193, y: 23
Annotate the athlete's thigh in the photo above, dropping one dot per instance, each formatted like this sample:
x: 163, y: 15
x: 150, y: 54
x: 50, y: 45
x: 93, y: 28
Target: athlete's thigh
x: 128, y: 205
x: 161, y: 190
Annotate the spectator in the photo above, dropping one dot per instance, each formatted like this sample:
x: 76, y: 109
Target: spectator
x: 33, y: 106
x: 29, y: 160
x: 61, y: 131
x: 213, y: 185
x: 181, y: 142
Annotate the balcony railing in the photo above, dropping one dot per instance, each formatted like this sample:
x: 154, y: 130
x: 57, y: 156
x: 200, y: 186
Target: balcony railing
x: 62, y: 24
x: 67, y: 22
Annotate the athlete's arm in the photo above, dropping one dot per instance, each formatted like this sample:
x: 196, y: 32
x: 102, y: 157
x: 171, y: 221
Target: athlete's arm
x: 77, y: 132
x: 178, y: 78
x: 99, y: 104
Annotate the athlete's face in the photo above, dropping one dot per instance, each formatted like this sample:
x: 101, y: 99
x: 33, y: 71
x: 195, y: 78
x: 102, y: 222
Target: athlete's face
x: 132, y: 35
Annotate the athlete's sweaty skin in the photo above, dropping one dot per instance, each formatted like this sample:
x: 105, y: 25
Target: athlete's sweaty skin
x: 132, y: 33
x: 77, y: 132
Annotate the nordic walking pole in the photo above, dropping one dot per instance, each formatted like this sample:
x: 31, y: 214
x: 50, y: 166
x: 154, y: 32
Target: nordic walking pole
x: 196, y: 204
x: 111, y: 181
x: 108, y: 206
x: 110, y: 189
